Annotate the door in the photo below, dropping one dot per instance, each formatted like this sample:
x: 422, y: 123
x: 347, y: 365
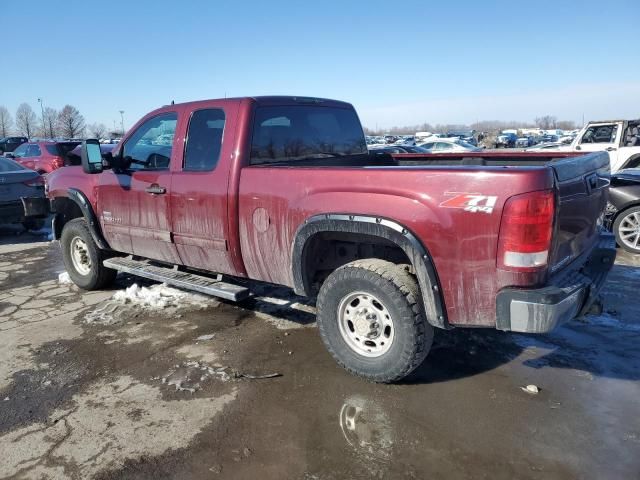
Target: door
x: 199, y: 190
x: 601, y: 137
x: 134, y: 203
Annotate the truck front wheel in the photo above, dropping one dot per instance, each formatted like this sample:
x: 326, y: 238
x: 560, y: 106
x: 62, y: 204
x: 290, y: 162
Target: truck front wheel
x: 371, y: 319
x: 82, y: 257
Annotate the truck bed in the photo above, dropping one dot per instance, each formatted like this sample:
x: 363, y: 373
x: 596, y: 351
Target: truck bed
x: 414, y: 189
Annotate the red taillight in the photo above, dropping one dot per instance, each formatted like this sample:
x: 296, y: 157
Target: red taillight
x: 526, y: 230
x: 35, y: 182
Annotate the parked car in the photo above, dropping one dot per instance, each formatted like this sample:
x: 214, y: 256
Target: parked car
x: 465, y: 136
x: 387, y: 149
x: 505, y: 140
x: 550, y: 138
x: 397, y: 149
x: 389, y: 251
x: 9, y: 144
x: 448, y: 145
x: 43, y: 157
x: 21, y: 195
x: 524, y: 142
x: 544, y: 146
x: 623, y: 213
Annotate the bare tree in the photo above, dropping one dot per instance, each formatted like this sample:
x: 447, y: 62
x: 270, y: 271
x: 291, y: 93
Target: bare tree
x: 70, y: 122
x: 26, y: 122
x: 97, y: 130
x: 6, y: 122
x: 566, y: 125
x: 50, y: 122
x: 546, y: 122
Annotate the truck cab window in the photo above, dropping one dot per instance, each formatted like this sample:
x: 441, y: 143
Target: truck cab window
x: 204, y: 140
x: 149, y: 148
x: 600, y: 134
x: 291, y: 133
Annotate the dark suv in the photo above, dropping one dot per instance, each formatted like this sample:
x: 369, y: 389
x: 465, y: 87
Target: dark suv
x: 9, y: 144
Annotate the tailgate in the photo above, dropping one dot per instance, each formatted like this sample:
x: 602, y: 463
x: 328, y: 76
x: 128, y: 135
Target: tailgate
x: 583, y: 184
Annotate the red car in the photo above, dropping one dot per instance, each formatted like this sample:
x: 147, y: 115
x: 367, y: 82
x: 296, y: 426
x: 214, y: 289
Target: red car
x: 283, y: 190
x: 43, y: 157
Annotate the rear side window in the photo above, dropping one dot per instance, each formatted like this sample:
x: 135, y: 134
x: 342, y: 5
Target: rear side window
x: 294, y: 133
x: 33, y: 151
x: 204, y: 140
x: 52, y: 149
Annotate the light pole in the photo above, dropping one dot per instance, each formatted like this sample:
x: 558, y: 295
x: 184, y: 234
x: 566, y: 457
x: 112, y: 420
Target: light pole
x: 44, y: 126
x: 122, y: 121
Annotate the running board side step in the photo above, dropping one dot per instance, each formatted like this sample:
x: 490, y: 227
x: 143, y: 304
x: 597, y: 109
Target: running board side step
x: 170, y: 276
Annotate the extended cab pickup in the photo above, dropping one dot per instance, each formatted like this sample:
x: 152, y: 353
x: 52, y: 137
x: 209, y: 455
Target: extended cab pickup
x: 283, y: 190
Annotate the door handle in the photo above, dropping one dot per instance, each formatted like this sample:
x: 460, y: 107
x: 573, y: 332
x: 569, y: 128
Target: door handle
x: 611, y: 149
x: 155, y: 189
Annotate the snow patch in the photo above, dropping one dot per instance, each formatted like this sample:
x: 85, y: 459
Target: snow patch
x: 154, y: 298
x: 64, y: 278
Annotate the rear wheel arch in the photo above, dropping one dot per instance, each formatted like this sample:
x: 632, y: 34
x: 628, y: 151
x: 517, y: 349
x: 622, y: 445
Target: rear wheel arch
x: 381, y: 238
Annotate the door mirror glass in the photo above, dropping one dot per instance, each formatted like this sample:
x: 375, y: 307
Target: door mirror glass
x: 91, y: 156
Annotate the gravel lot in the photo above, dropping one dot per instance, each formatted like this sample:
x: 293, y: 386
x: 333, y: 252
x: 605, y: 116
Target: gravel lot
x: 156, y: 383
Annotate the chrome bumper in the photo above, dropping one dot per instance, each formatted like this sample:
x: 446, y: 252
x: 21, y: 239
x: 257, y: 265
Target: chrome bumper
x: 569, y: 295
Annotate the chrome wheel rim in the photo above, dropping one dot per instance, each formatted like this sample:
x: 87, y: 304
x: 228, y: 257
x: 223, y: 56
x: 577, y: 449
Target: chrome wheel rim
x: 365, y: 324
x: 629, y: 230
x: 80, y: 256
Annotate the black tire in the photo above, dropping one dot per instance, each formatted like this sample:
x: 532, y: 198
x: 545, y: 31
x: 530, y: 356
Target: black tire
x: 98, y: 275
x: 619, y: 223
x: 34, y: 223
x: 399, y: 292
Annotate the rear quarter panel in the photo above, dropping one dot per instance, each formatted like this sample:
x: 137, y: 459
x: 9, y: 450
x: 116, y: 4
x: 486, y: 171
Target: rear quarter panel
x: 275, y: 201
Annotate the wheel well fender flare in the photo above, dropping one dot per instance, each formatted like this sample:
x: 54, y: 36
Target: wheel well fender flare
x: 81, y: 200
x: 416, y: 252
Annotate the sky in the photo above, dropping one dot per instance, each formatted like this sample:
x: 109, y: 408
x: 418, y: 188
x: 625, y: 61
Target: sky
x: 399, y: 63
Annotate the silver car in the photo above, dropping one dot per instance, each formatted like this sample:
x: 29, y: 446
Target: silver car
x: 22, y: 198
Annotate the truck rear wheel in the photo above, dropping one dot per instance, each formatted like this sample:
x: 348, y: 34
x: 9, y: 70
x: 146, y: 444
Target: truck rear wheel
x: 82, y: 257
x: 371, y: 320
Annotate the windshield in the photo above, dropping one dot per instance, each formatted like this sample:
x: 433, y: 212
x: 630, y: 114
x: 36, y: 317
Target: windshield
x: 298, y: 132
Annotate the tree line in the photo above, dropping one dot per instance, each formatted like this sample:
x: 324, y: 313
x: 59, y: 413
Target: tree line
x: 546, y: 122
x: 52, y: 123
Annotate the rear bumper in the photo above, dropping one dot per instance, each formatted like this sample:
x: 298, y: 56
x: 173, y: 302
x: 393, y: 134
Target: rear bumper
x: 569, y: 294
x: 18, y: 211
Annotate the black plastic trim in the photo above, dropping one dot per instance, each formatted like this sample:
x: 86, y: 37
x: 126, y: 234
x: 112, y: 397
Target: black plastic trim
x: 92, y: 221
x: 383, y: 228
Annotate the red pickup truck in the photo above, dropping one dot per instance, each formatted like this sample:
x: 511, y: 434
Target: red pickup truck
x: 283, y: 190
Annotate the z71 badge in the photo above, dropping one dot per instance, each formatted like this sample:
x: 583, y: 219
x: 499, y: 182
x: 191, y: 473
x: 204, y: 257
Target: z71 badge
x: 471, y: 202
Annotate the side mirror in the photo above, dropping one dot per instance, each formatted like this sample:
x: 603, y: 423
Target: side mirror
x: 91, y: 156
x: 9, y: 155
